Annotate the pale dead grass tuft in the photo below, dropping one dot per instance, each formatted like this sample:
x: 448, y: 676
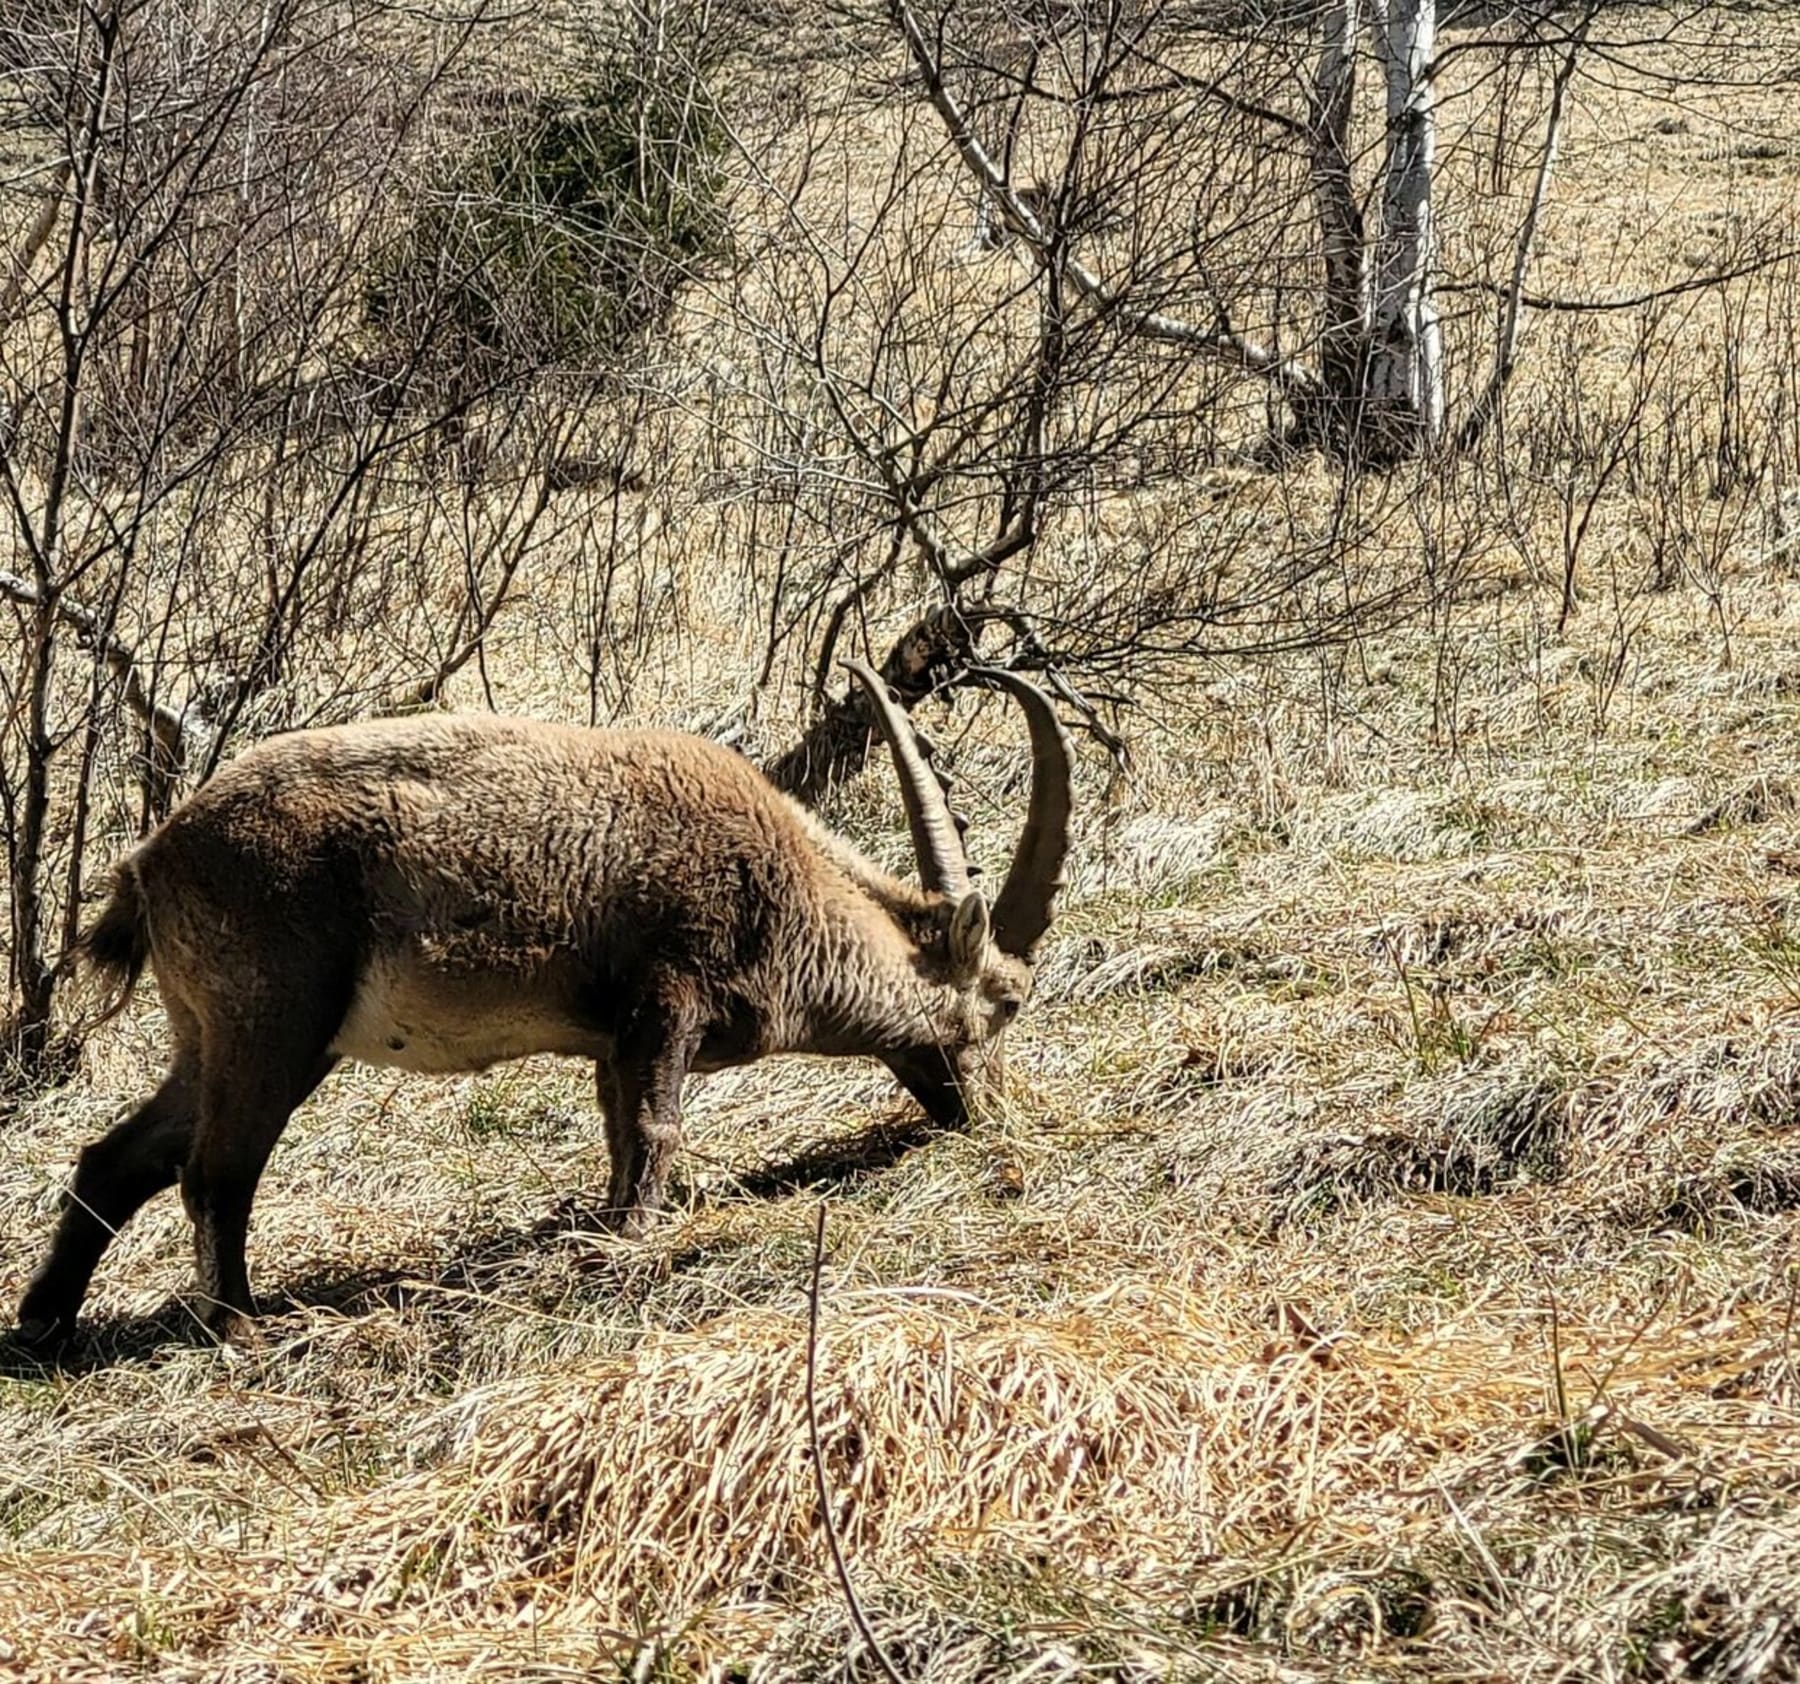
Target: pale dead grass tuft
x: 1150, y: 1444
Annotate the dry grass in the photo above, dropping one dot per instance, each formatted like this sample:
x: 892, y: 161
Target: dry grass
x: 1385, y: 1268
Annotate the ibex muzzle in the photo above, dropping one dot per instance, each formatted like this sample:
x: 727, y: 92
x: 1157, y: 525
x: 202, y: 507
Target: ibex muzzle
x: 442, y: 894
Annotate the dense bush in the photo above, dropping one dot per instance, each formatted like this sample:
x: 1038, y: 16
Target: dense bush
x: 563, y: 236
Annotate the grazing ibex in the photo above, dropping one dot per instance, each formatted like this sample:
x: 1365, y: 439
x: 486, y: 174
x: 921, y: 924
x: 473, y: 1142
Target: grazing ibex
x: 441, y: 894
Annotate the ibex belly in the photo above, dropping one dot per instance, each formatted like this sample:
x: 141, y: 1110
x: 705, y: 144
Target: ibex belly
x: 410, y: 1016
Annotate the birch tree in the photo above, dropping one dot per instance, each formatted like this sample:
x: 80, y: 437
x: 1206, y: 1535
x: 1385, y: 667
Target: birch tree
x: 1374, y: 390
x: 1406, y: 372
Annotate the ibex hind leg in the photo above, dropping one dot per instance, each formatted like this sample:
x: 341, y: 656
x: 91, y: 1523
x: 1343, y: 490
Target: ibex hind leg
x: 252, y: 1078
x: 130, y: 1164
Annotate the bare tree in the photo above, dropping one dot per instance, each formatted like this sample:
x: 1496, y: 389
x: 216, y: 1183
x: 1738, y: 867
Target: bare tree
x: 1196, y: 243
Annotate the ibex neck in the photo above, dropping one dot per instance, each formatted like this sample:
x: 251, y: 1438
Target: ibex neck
x: 861, y: 988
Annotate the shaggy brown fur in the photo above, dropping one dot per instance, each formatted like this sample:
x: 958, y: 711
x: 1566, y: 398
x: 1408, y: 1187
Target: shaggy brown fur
x: 442, y: 894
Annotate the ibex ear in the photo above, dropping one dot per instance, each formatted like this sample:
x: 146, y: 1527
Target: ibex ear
x: 968, y: 938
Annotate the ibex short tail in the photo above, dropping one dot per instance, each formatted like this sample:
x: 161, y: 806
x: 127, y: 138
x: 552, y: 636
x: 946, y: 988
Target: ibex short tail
x: 116, y: 945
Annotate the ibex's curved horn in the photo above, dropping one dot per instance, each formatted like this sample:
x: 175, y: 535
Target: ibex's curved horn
x: 1025, y: 905
x: 943, y: 867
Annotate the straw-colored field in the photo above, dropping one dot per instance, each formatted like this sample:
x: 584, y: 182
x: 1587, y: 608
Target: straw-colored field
x: 1385, y: 1265
x: 1387, y: 1262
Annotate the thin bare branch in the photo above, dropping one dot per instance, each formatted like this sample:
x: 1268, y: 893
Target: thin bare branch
x: 37, y: 236
x: 1559, y: 304
x: 171, y: 732
x: 1184, y: 82
x: 1220, y: 341
x: 1506, y: 345
x: 818, y: 1458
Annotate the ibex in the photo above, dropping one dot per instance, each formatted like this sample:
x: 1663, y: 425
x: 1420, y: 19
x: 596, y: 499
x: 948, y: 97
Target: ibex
x: 442, y: 894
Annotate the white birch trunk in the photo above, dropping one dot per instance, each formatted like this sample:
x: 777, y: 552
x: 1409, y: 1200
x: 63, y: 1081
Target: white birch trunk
x: 1406, y: 372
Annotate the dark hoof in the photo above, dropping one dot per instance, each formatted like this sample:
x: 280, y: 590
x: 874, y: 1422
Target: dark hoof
x: 227, y: 1325
x: 633, y: 1222
x: 42, y: 1333
x: 46, y: 1316
x: 38, y: 1344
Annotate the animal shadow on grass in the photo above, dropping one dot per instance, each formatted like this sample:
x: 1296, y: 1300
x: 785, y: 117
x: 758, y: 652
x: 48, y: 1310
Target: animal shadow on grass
x: 481, y: 1264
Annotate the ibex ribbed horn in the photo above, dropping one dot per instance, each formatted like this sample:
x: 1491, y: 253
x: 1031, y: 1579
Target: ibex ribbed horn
x: 1026, y: 902
x: 937, y: 846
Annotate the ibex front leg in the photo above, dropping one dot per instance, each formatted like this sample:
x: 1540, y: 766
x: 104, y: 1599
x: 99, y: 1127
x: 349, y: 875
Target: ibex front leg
x: 640, y: 1092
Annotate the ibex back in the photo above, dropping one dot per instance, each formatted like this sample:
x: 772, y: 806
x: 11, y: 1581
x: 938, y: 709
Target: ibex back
x: 441, y: 894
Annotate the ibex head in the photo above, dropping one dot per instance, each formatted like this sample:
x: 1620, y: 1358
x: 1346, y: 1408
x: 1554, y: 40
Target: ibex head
x: 979, y: 957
